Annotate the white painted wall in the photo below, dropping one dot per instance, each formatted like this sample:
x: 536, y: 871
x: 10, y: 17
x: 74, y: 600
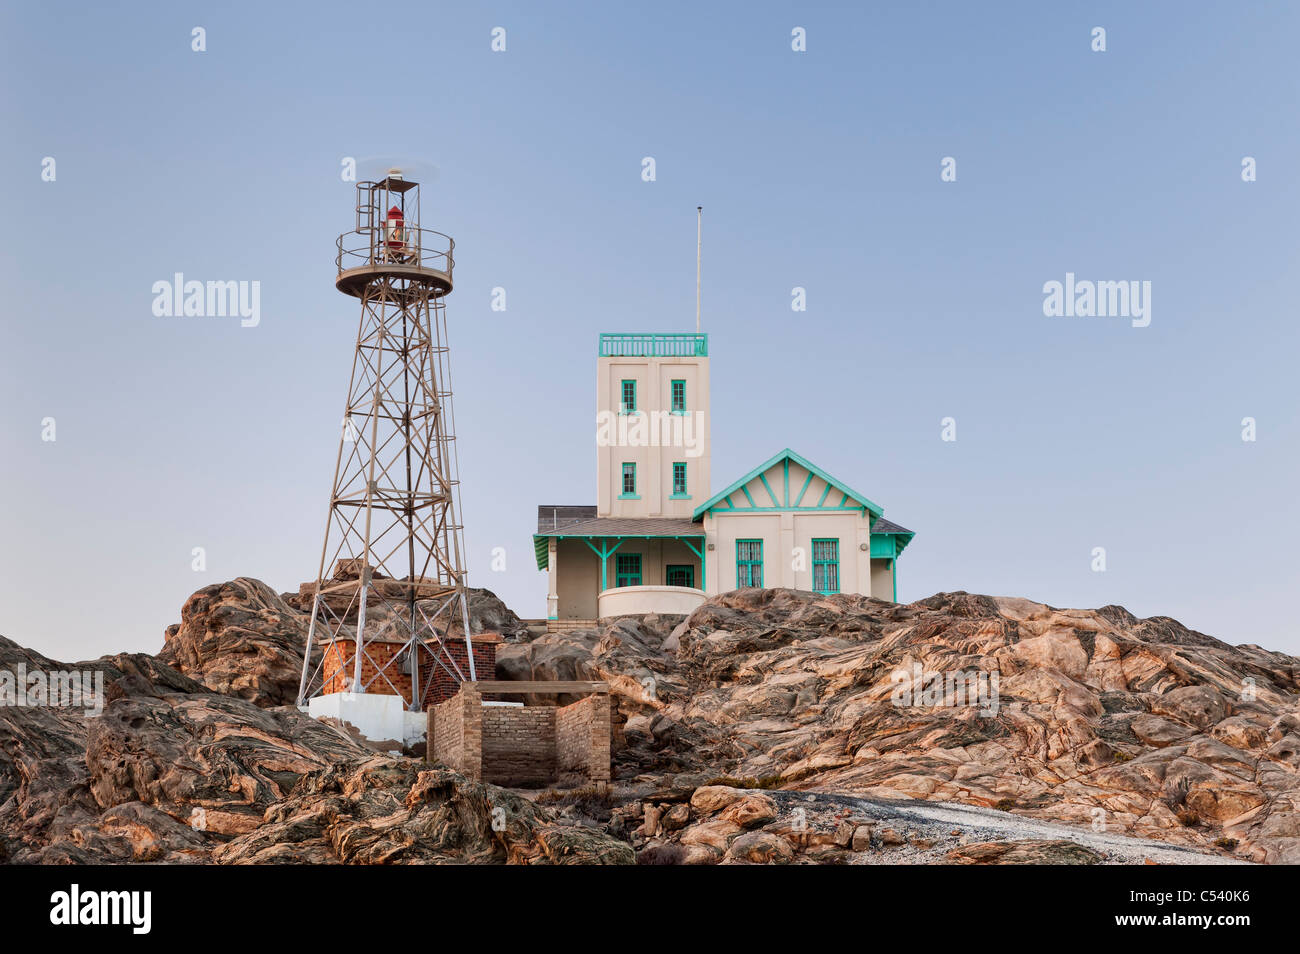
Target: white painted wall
x: 629, y: 600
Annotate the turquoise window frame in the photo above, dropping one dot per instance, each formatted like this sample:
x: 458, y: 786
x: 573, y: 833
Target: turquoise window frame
x: 623, y: 406
x: 673, y: 387
x: 622, y: 577
x: 682, y: 494
x: 687, y: 568
x: 629, y: 470
x: 749, y: 563
x: 823, y: 563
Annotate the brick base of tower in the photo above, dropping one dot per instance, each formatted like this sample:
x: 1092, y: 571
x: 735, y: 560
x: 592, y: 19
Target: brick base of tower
x: 384, y: 676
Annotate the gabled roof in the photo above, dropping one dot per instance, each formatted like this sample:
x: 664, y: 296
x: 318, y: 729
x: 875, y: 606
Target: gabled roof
x: 788, y: 455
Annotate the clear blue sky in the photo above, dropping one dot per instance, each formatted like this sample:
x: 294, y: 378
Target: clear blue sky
x: 816, y: 169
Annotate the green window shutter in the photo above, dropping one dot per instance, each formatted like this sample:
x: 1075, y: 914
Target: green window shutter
x: 826, y: 565
x: 679, y: 396
x: 749, y: 563
x: 628, y: 570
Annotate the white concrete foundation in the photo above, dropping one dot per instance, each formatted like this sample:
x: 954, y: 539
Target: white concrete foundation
x: 380, y: 718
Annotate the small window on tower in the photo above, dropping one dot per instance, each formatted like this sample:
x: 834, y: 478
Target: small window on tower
x: 679, y: 397
x: 679, y: 479
x: 629, y: 480
x: 628, y: 403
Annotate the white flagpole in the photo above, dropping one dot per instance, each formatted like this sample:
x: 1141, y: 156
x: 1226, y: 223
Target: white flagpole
x: 699, y: 225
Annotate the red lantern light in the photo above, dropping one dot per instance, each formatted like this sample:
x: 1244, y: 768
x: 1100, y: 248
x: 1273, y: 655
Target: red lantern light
x: 396, y: 229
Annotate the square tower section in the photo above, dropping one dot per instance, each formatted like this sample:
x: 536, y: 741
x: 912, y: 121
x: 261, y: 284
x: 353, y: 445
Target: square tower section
x: 652, y: 424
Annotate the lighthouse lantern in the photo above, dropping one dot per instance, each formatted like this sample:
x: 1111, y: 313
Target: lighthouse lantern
x: 396, y: 230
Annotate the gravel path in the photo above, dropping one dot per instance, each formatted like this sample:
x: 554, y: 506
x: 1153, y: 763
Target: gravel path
x: 936, y: 821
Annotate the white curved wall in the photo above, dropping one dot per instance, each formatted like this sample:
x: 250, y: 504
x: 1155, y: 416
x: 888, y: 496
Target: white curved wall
x: 629, y: 600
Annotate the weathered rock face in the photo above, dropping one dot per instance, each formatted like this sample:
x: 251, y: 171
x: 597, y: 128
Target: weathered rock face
x: 486, y: 611
x: 769, y: 727
x: 385, y: 811
x: 487, y: 614
x: 1142, y: 726
x: 241, y: 639
x: 244, y: 640
x: 171, y: 772
x: 1026, y: 852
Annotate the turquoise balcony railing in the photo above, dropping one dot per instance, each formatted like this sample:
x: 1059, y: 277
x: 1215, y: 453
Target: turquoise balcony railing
x: 654, y: 346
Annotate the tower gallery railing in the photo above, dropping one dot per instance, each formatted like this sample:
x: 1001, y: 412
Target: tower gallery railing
x: 374, y: 245
x: 654, y: 346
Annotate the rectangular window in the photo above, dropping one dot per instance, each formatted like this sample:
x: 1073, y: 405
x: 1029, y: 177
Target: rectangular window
x: 749, y: 563
x: 679, y: 397
x: 681, y: 575
x: 629, y: 397
x: 826, y: 565
x: 629, y: 480
x: 629, y: 569
x: 679, y: 479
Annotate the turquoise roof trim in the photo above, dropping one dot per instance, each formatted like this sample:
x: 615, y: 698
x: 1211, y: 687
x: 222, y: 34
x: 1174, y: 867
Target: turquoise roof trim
x: 887, y: 544
x: 788, y: 455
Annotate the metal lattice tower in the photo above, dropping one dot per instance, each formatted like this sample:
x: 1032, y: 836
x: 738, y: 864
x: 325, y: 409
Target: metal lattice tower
x: 391, y: 566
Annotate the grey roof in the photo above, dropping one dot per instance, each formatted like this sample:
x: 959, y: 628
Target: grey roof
x: 580, y: 520
x: 550, y: 517
x: 887, y: 526
x: 583, y: 522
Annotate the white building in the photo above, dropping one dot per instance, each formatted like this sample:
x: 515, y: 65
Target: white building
x: 658, y: 540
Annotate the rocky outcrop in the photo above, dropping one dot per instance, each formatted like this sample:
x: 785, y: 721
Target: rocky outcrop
x: 172, y: 772
x: 724, y: 824
x: 488, y: 614
x: 486, y: 611
x: 1100, y: 719
x: 385, y: 811
x: 241, y: 639
x: 1026, y: 852
x: 768, y: 727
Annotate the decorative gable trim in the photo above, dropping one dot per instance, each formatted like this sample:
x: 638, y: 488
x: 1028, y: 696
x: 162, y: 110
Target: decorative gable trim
x: 846, y: 499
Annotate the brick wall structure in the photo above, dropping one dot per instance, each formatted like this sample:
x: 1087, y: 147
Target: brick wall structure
x: 448, y: 722
x: 582, y: 733
x: 520, y: 745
